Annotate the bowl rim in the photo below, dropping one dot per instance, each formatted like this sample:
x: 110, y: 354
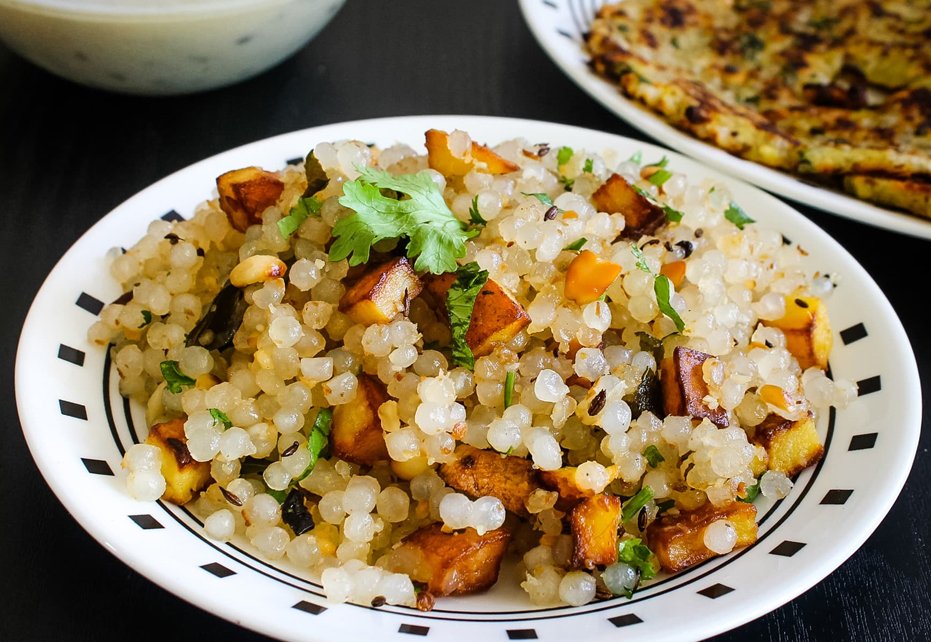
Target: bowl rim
x: 123, y: 10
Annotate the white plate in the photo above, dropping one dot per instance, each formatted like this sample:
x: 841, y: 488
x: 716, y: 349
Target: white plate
x: 558, y: 25
x: 77, y: 427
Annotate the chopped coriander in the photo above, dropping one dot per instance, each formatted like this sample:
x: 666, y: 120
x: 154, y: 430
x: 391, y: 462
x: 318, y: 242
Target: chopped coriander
x: 436, y: 237
x: 637, y: 554
x: 575, y: 246
x: 460, y: 301
x: 588, y: 166
x: 509, y: 388
x: 663, y: 288
x: 654, y: 456
x: 632, y: 506
x: 563, y: 155
x: 474, y: 215
x: 317, y: 439
x: 567, y: 183
x: 736, y: 215
x: 175, y: 379
x: 660, y: 176
x: 636, y: 158
x: 672, y: 214
x: 751, y: 493
x: 279, y: 495
x: 661, y: 163
x: 540, y: 196
x: 641, y: 260
x: 219, y: 417
x: 146, y: 318
x: 304, y: 208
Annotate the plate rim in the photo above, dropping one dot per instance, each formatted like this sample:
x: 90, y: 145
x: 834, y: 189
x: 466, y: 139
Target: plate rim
x: 638, y: 116
x: 152, y: 572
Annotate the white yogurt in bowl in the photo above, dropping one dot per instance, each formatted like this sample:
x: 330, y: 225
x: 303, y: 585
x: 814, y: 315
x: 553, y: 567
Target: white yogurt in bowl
x: 160, y: 46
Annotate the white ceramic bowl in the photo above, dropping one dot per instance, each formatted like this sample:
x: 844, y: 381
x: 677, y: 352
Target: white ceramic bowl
x: 160, y: 46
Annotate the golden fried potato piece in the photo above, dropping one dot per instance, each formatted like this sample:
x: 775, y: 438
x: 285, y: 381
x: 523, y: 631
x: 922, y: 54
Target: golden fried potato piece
x: 479, y: 157
x: 478, y: 472
x: 792, y: 446
x: 452, y: 563
x: 381, y: 292
x: 684, y: 388
x: 594, y: 523
x: 496, y: 317
x: 807, y: 330
x: 563, y: 482
x: 678, y: 540
x: 356, y: 434
x: 246, y: 193
x: 184, y: 477
x: 642, y: 216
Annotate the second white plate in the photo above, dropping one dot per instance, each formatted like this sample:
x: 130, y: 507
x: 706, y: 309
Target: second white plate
x: 558, y: 26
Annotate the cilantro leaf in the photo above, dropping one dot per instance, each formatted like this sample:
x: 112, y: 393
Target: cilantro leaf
x: 436, y: 237
x: 220, y: 417
x: 672, y: 214
x: 660, y: 176
x: 304, y: 208
x: 175, y: 379
x: 474, y: 214
x: 540, y: 196
x: 575, y: 246
x: 460, y: 301
x: 632, y: 506
x: 660, y: 163
x: 588, y: 166
x: 736, y: 215
x: 509, y: 388
x: 563, y: 155
x: 146, y: 318
x: 751, y: 493
x: 637, y: 157
x: 279, y: 495
x: 663, y: 288
x: 317, y: 439
x: 653, y: 456
x: 637, y: 554
x: 641, y: 260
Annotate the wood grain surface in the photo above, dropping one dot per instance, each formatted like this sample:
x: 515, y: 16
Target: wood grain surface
x: 69, y: 154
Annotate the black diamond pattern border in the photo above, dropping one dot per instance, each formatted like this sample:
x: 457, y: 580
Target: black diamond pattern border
x: 837, y: 497
x: 788, y: 548
x: 715, y: 591
x: 853, y: 333
x: 309, y: 607
x: 71, y: 409
x: 97, y: 466
x: 217, y: 569
x: 414, y: 629
x: 863, y: 442
x: 89, y: 303
x: 172, y: 216
x: 146, y: 522
x: 71, y: 355
x: 869, y: 385
x: 295, y: 161
x: 522, y: 634
x: 624, y: 620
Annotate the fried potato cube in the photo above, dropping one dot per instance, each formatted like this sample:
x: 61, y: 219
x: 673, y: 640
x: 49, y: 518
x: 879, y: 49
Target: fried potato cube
x: 594, y: 523
x: 478, y: 157
x: 791, y: 446
x: 678, y: 540
x: 684, y: 388
x: 184, y: 477
x: 381, y: 292
x: 496, y: 317
x: 477, y: 473
x: 588, y: 277
x: 642, y: 216
x: 456, y: 563
x: 356, y: 434
x: 246, y: 193
x: 807, y: 330
x: 563, y: 482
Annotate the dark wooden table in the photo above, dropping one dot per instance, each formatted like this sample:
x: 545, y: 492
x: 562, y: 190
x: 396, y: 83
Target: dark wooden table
x: 69, y: 154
